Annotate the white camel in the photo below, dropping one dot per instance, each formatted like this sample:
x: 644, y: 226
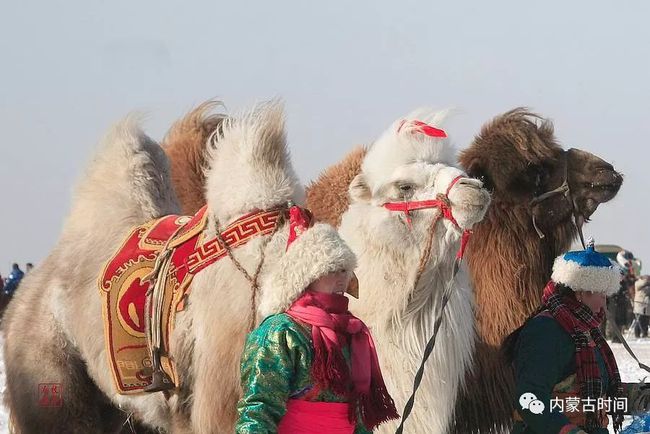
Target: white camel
x: 399, y: 298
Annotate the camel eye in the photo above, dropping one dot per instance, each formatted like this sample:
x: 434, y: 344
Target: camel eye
x: 541, y: 179
x: 487, y: 183
x: 537, y: 177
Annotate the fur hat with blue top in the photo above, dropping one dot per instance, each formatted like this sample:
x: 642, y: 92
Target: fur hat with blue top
x: 587, y: 270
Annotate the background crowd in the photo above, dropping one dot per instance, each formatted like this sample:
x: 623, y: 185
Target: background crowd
x: 629, y: 308
x: 9, y: 284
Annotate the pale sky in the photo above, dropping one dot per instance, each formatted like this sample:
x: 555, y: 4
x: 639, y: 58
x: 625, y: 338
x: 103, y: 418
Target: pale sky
x: 346, y: 70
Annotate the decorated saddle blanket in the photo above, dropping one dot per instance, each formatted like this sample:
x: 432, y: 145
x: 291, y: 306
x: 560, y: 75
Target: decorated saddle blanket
x: 124, y: 284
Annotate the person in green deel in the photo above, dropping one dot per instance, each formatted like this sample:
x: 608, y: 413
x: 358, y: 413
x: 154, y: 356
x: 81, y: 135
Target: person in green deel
x: 566, y: 376
x: 311, y: 366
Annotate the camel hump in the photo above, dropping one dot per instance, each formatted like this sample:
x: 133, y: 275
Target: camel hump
x: 185, y: 144
x: 127, y: 181
x: 248, y: 164
x: 328, y: 196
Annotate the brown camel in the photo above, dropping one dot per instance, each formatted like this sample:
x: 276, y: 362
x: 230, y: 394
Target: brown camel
x: 510, y: 257
x: 511, y: 254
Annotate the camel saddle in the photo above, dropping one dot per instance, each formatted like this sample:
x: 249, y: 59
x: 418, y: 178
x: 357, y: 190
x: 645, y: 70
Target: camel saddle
x: 134, y: 273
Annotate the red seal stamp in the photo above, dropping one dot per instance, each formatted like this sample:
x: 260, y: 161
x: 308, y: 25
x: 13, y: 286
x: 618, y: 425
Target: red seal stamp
x: 50, y: 394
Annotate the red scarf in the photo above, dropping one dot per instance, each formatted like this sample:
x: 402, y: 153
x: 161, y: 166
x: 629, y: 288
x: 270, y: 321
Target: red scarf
x: 583, y: 326
x: 333, y: 327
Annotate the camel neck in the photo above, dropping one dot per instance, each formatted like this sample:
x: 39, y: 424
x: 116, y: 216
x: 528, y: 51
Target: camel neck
x: 506, y: 257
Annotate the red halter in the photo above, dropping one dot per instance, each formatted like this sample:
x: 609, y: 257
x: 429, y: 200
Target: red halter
x: 444, y: 207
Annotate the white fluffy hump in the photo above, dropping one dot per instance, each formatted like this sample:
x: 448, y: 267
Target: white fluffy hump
x: 128, y: 180
x: 249, y: 166
x: 408, y: 141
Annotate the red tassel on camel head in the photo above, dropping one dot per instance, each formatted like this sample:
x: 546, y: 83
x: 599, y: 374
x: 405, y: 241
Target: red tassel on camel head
x: 416, y: 126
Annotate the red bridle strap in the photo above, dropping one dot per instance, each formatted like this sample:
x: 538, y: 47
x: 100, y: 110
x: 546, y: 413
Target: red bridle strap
x: 442, y: 204
x: 407, y: 207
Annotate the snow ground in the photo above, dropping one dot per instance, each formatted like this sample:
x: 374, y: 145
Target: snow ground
x: 630, y: 371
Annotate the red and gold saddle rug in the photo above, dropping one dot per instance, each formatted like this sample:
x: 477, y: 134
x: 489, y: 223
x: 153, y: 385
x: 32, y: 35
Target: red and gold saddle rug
x: 124, y: 288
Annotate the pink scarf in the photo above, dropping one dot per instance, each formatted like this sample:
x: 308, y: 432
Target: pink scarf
x: 333, y: 327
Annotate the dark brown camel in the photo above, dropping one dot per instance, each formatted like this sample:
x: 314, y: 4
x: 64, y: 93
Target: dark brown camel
x: 519, y: 159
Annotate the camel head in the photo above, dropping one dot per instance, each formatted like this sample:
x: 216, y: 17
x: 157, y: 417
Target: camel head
x: 249, y: 165
x: 519, y: 160
x: 412, y: 162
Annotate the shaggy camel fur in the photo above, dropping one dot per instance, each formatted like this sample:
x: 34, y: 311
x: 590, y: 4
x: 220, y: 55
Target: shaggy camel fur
x: 409, y: 164
x: 327, y: 196
x: 53, y: 326
x: 517, y: 157
x: 54, y: 330
x: 508, y: 277
x: 188, y: 132
x: 405, y: 164
x: 398, y: 303
x: 332, y: 199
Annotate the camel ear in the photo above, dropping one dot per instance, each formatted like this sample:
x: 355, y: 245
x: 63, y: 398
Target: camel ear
x: 359, y: 190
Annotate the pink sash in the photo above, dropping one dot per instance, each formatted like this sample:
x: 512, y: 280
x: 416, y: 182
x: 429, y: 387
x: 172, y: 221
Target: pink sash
x: 307, y: 417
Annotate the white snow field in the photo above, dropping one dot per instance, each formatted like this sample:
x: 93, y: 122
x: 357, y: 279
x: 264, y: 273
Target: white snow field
x: 630, y: 371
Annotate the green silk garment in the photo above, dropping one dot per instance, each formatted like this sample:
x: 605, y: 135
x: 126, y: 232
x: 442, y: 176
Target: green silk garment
x: 276, y: 367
